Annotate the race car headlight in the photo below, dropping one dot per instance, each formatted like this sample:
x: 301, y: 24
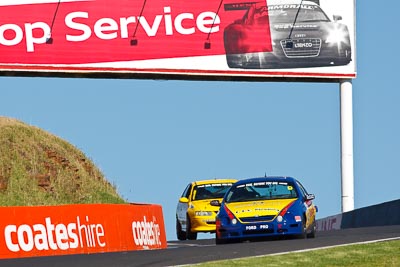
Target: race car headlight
x: 230, y: 215
x: 279, y: 218
x: 336, y: 36
x: 203, y: 213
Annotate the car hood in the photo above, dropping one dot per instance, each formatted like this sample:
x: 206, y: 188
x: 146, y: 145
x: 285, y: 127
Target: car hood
x: 205, y: 204
x: 258, y: 208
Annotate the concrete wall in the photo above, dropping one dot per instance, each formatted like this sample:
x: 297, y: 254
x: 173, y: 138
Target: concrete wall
x: 387, y: 213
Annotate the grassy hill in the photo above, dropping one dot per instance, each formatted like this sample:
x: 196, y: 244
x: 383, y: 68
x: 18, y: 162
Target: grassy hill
x: 38, y: 168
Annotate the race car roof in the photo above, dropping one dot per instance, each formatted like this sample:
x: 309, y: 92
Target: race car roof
x: 215, y: 181
x: 267, y: 178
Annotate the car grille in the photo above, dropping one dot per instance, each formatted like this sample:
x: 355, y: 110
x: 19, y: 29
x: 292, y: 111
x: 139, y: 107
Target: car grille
x: 257, y: 219
x: 301, y: 47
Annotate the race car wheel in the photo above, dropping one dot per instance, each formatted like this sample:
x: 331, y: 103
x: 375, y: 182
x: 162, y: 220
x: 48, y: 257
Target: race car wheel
x: 181, y: 235
x: 219, y: 241
x: 313, y: 230
x: 189, y: 234
x: 232, y: 61
x: 304, y: 228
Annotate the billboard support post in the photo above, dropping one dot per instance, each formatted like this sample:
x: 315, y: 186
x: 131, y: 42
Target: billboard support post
x: 346, y: 136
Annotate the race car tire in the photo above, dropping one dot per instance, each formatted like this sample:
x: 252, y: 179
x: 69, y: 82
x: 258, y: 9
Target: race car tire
x: 189, y: 234
x: 238, y: 61
x: 231, y: 60
x: 313, y: 230
x: 303, y: 234
x: 219, y: 241
x: 181, y: 235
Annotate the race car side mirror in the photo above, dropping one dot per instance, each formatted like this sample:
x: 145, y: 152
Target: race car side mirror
x: 184, y: 200
x: 215, y: 203
x: 310, y: 197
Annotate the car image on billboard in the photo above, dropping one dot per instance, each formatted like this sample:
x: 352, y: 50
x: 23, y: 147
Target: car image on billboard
x: 301, y: 35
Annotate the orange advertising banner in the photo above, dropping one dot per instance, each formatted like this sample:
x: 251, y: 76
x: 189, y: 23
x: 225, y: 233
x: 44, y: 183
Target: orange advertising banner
x: 80, y: 229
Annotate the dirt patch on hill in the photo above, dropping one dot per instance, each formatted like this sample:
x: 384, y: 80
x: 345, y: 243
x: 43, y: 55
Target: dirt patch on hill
x: 38, y: 168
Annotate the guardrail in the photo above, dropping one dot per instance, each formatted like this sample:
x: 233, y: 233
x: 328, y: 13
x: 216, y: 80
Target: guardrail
x: 387, y: 213
x: 80, y: 229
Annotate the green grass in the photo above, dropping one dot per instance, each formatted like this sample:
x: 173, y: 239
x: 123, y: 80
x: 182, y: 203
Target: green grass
x: 377, y: 254
x: 38, y: 168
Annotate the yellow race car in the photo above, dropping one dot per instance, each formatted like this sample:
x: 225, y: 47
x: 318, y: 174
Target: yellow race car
x: 198, y: 206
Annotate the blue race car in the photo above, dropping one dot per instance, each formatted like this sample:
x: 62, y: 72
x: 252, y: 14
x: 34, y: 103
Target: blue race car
x: 267, y: 206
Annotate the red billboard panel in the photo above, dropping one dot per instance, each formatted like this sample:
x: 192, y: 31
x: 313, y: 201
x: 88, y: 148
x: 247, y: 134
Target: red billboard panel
x: 80, y: 229
x: 267, y: 38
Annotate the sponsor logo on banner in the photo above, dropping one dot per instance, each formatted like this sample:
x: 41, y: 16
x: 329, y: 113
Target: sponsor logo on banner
x: 51, y: 236
x: 82, y: 228
x: 330, y: 223
x: 146, y: 233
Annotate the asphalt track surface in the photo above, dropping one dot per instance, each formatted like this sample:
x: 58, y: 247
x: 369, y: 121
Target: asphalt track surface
x: 191, y: 252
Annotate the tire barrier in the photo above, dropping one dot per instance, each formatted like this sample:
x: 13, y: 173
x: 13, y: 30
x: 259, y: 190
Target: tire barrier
x: 80, y: 229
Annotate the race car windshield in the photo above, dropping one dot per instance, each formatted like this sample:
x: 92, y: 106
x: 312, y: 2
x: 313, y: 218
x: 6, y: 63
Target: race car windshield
x: 261, y: 191
x: 210, y: 191
x: 278, y: 14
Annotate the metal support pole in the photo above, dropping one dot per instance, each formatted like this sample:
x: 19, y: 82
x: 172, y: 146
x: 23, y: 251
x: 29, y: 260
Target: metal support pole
x: 346, y: 136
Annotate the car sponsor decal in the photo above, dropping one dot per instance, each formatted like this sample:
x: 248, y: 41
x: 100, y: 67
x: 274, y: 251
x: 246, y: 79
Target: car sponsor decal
x: 258, y: 208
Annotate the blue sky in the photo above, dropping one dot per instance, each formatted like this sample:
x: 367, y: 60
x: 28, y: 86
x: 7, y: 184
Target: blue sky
x: 150, y: 138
